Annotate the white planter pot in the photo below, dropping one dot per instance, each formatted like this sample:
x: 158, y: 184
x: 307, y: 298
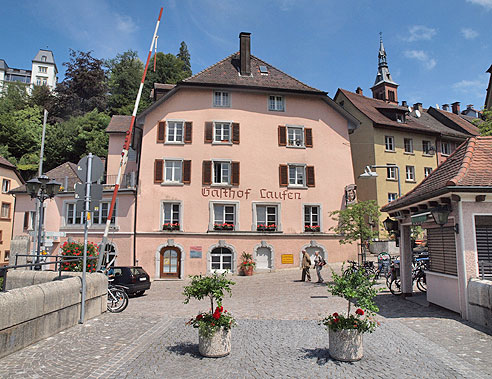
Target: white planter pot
x: 346, y: 345
x: 217, y: 345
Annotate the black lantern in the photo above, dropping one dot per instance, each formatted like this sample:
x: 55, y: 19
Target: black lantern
x: 33, y: 186
x: 390, y: 225
x: 441, y: 215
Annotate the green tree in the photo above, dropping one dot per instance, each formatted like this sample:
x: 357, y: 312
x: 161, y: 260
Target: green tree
x: 485, y: 125
x: 124, y: 76
x: 14, y: 97
x: 184, y: 55
x: 356, y: 222
x: 42, y: 97
x: 84, y: 87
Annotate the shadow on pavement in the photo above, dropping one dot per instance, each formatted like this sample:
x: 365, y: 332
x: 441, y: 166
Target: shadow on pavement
x: 322, y: 356
x: 190, y: 349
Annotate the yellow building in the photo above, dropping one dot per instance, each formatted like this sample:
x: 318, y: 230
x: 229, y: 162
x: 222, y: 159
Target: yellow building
x: 9, y: 178
x: 414, y: 140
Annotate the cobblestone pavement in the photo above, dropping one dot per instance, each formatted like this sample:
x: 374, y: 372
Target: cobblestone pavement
x: 277, y: 336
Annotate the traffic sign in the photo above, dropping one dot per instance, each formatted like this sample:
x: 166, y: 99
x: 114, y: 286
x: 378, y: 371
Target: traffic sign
x: 96, y: 172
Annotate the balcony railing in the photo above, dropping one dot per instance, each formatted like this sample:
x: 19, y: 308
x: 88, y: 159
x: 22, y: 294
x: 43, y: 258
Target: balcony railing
x: 128, y: 181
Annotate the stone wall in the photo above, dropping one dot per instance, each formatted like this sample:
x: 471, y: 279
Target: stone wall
x: 38, y: 305
x: 480, y: 302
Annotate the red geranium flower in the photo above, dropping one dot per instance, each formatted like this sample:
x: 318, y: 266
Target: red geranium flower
x: 335, y: 314
x: 199, y: 317
x: 336, y: 320
x: 360, y: 312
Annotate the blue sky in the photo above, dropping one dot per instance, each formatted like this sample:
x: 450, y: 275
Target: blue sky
x: 438, y: 50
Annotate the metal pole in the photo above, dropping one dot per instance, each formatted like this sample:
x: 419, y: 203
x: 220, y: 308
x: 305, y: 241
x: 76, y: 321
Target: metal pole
x: 124, y: 152
x: 40, y: 171
x: 40, y: 227
x: 399, y: 186
x: 86, y: 232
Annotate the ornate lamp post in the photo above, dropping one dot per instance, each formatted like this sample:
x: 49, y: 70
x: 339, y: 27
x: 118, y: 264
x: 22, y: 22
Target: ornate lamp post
x: 41, y: 188
x: 368, y: 173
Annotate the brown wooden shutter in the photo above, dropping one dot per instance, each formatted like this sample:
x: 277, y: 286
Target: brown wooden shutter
x: 158, y: 170
x: 282, y: 135
x: 186, y: 172
x: 441, y: 244
x: 161, y: 131
x: 235, y: 173
x: 310, y: 176
x: 207, y: 172
x: 26, y: 220
x: 235, y: 132
x: 188, y: 132
x: 209, y: 132
x: 283, y: 175
x: 308, y: 137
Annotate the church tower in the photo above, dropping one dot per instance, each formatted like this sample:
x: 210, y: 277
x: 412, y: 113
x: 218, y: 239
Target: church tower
x: 384, y: 87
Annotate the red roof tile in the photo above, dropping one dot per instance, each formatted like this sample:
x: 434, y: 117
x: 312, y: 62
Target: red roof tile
x: 119, y: 124
x: 468, y: 166
x: 455, y: 119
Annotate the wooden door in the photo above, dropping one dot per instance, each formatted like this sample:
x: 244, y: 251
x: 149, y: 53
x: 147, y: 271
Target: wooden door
x: 170, y: 262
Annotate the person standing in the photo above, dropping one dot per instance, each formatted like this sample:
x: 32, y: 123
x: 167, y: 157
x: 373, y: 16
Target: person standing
x: 306, y: 264
x: 319, y: 262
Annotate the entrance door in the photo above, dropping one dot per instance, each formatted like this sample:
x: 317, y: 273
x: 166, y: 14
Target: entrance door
x: 263, y: 258
x: 170, y: 262
x: 221, y: 259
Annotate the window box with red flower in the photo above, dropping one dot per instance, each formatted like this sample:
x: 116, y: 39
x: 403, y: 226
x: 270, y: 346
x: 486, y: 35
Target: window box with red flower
x: 266, y: 227
x: 214, y: 328
x: 312, y: 228
x: 169, y: 226
x: 346, y: 330
x: 224, y: 226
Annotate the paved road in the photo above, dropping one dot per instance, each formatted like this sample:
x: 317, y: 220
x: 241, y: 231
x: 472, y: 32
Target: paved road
x: 277, y: 336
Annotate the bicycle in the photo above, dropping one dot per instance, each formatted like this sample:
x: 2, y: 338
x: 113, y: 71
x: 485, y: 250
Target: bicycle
x: 117, y: 298
x: 418, y: 276
x: 367, y: 267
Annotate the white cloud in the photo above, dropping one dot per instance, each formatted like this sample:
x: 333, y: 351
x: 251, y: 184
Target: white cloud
x: 469, y: 33
x: 473, y: 87
x: 484, y: 3
x: 420, y: 55
x: 420, y: 32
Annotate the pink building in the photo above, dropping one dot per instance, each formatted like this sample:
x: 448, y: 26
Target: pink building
x: 240, y: 157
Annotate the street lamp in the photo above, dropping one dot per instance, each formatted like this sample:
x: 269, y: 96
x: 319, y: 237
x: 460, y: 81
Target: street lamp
x: 41, y: 188
x: 368, y: 173
x: 440, y: 215
x: 390, y: 225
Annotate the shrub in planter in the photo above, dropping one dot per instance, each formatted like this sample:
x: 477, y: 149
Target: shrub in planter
x: 247, y: 264
x: 345, y: 330
x: 214, y: 326
x: 76, y: 250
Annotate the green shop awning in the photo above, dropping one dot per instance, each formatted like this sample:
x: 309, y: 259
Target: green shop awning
x: 419, y: 218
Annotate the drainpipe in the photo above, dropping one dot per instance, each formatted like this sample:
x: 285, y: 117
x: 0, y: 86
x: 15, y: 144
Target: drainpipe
x: 462, y: 274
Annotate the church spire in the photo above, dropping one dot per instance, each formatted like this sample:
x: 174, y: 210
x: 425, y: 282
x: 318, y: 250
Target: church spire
x: 384, y: 87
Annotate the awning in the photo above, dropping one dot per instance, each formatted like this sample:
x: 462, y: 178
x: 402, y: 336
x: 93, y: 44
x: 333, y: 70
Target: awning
x: 419, y: 218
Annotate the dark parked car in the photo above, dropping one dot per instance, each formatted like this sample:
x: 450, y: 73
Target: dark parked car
x: 134, y: 278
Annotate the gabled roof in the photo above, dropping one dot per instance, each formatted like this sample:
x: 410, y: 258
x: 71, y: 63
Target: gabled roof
x: 49, y: 57
x: 65, y: 170
x: 6, y: 164
x: 467, y: 168
x: 454, y: 121
x: 432, y: 123
x: 119, y: 124
x: 371, y: 108
x: 226, y: 73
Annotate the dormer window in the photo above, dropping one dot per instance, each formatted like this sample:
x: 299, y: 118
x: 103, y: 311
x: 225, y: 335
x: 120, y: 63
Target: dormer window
x: 400, y: 118
x: 43, y: 58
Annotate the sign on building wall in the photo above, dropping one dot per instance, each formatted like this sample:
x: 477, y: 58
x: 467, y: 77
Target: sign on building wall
x: 287, y: 259
x: 350, y: 194
x: 195, y: 251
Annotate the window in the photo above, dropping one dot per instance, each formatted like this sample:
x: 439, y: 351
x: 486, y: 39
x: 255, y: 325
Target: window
x: 389, y: 143
x: 7, y: 255
x: 400, y: 118
x: 266, y: 217
x: 171, y: 216
x: 391, y: 197
x: 29, y: 220
x: 38, y: 81
x: 224, y: 216
x: 391, y: 95
x: 5, y: 185
x: 5, y: 212
x: 173, y: 170
x: 408, y: 142
x: 390, y: 172
x: 483, y: 238
x: 222, y: 132
x: 44, y: 82
x: 311, y: 218
x: 43, y: 58
x: 1, y: 237
x: 427, y: 171
x: 297, y: 175
x: 222, y: 99
x: 174, y: 132
x: 43, y: 70
x: 99, y: 216
x: 222, y: 172
x: 410, y: 172
x: 445, y: 148
x: 221, y: 259
x: 426, y: 147
x: 295, y: 136
x: 276, y: 103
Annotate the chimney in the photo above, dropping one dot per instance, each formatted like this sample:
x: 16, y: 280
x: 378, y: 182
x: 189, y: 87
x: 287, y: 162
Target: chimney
x: 404, y: 103
x: 445, y: 107
x: 469, y: 106
x: 358, y: 91
x: 245, y: 53
x: 456, y: 107
x: 417, y: 107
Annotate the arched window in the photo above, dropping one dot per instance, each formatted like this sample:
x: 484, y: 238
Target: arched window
x: 43, y: 58
x: 221, y: 259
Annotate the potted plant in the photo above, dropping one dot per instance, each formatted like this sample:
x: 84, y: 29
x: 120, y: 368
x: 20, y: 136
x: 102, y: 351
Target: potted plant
x: 311, y: 228
x: 247, y: 264
x: 223, y: 226
x: 346, y: 330
x: 170, y: 226
x: 214, y: 326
